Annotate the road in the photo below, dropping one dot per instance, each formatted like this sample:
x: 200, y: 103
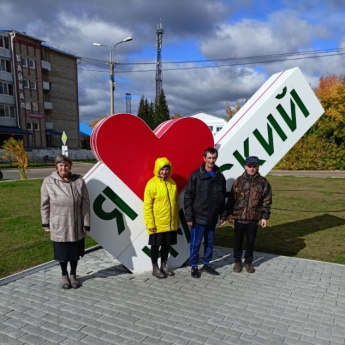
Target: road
x: 309, y: 173
x: 41, y: 172
x: 83, y: 168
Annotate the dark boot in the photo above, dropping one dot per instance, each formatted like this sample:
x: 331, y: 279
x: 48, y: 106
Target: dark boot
x: 165, y: 269
x: 249, y: 267
x: 237, y: 267
x: 66, y: 284
x: 157, y: 272
x: 195, y: 272
x: 208, y: 269
x: 74, y: 282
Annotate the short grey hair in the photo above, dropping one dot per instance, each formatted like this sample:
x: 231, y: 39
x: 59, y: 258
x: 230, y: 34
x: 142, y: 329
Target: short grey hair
x: 62, y: 158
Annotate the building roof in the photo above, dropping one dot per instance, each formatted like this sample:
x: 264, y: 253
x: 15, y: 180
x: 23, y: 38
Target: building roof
x: 14, y: 130
x: 203, y: 113
x: 84, y: 129
x: 44, y: 44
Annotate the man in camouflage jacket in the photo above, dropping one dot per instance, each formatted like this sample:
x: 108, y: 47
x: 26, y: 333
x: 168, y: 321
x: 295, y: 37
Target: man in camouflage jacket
x: 249, y: 202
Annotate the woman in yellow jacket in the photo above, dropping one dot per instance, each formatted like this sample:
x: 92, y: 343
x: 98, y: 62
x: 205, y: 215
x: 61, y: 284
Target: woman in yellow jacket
x: 161, y: 215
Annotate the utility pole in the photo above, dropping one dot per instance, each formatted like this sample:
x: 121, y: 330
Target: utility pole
x: 112, y: 64
x: 159, y: 77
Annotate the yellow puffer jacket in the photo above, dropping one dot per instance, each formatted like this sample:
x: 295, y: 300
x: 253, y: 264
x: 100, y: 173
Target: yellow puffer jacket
x: 161, y: 201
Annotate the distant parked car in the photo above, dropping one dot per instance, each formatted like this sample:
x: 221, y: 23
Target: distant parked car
x: 1, y: 175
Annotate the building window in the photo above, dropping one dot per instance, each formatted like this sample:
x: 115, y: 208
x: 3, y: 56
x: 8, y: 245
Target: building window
x: 28, y: 105
x: 32, y: 64
x: 218, y: 129
x: 5, y: 65
x: 26, y: 83
x: 211, y: 128
x: 7, y: 111
x: 6, y: 89
x: 34, y: 106
x: 36, y: 126
x: 33, y: 85
x: 24, y: 62
x: 4, y: 42
x: 29, y: 126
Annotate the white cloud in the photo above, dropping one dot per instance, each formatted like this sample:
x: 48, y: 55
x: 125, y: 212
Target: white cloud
x: 217, y: 29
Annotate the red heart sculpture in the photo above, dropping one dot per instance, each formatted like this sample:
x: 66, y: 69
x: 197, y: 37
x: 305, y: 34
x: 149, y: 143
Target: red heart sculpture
x: 129, y: 148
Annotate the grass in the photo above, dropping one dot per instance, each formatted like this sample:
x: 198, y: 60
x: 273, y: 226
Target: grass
x: 307, y: 221
x: 23, y: 244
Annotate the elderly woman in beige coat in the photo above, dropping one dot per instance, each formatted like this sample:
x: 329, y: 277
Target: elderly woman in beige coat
x: 65, y: 210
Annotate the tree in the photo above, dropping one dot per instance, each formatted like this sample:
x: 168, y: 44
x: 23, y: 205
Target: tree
x: 176, y: 116
x: 94, y: 122
x: 154, y: 113
x: 331, y: 93
x: 141, y: 108
x: 231, y: 111
x: 16, y: 153
x: 323, y: 146
x: 162, y: 112
x: 151, y: 115
x: 146, y: 112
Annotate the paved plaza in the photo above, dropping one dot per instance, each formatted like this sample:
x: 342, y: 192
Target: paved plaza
x: 286, y: 301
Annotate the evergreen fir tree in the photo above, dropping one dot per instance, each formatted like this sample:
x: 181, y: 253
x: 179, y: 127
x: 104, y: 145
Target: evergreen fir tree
x: 162, y: 112
x: 141, y: 108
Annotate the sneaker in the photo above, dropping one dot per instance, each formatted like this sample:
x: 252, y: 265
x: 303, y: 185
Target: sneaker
x: 237, y: 267
x: 195, y: 272
x: 208, y: 269
x: 249, y: 268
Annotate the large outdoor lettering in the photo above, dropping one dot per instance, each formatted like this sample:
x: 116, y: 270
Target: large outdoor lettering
x: 268, y: 125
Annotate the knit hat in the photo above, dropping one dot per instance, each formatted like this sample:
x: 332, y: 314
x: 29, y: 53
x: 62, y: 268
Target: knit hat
x: 254, y: 160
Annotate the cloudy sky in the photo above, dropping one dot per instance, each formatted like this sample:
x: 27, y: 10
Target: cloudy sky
x: 214, y: 52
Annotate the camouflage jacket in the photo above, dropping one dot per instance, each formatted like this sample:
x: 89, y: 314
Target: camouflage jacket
x: 250, y: 198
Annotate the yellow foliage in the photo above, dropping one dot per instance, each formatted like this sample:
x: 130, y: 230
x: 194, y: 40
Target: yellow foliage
x: 16, y: 153
x: 94, y: 122
x: 331, y: 93
x: 231, y: 111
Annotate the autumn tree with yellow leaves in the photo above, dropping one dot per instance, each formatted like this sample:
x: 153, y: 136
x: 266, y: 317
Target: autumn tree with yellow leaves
x: 16, y: 153
x: 323, y: 146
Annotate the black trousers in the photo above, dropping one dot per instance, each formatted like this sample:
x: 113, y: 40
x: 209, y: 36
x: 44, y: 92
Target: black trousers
x: 155, y: 253
x: 250, y: 231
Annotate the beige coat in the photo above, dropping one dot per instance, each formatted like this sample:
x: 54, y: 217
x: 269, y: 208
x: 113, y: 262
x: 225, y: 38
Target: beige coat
x: 65, y: 207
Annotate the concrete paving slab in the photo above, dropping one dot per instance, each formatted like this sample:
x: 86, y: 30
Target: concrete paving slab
x: 286, y: 301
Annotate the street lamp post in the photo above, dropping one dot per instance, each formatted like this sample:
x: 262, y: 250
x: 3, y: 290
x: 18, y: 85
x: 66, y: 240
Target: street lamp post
x: 112, y: 64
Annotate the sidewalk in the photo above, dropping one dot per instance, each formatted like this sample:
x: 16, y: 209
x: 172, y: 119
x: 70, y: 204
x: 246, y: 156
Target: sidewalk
x: 286, y: 301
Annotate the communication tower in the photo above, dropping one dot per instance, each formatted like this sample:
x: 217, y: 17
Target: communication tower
x: 128, y: 103
x: 159, y: 77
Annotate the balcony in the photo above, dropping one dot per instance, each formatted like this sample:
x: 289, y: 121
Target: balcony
x: 6, y: 99
x: 48, y: 105
x: 6, y: 76
x: 46, y: 65
x: 50, y: 125
x: 6, y: 53
x: 46, y: 85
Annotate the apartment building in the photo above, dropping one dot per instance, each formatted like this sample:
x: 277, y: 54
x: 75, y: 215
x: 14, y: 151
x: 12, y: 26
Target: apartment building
x: 38, y: 92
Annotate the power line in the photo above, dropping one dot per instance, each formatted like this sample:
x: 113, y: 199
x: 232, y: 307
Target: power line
x: 242, y: 60
x: 239, y: 63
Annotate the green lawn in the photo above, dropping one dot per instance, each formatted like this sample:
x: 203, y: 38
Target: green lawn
x: 23, y: 244
x: 308, y: 221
